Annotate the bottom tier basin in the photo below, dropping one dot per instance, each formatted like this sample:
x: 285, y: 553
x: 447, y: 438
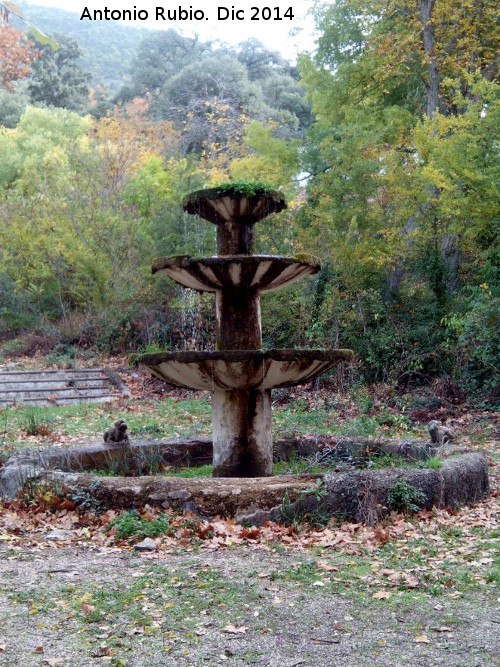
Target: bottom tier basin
x: 241, y: 369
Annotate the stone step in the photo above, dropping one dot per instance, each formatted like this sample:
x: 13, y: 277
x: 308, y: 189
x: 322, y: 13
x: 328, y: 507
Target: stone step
x: 60, y: 387
x: 48, y: 383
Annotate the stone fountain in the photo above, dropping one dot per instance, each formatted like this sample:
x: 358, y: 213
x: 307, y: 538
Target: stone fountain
x: 239, y: 374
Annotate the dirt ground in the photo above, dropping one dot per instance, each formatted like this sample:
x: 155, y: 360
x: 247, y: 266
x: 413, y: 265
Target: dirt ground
x: 240, y: 606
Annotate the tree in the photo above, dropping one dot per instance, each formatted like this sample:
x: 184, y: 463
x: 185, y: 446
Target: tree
x: 57, y: 79
x: 207, y: 101
x: 12, y: 105
x: 161, y: 55
x: 17, y: 53
x: 403, y: 169
x: 259, y: 61
x: 85, y: 205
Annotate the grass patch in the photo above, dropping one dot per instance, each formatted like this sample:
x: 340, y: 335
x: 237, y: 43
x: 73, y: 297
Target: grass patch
x: 168, y: 418
x: 384, y: 461
x: 37, y: 421
x: 190, y: 473
x: 298, y: 466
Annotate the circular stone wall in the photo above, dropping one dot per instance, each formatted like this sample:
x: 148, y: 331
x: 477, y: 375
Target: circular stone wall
x: 356, y: 495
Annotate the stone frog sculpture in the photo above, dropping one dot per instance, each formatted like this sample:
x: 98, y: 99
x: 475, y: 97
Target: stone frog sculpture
x: 116, y: 433
x: 440, y: 435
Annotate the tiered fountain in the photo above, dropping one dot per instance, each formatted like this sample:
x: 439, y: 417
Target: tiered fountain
x: 239, y: 374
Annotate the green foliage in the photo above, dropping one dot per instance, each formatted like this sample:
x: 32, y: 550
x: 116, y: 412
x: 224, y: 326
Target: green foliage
x: 274, y: 157
x: 404, y: 497
x: 109, y: 66
x: 474, y: 338
x: 57, y: 78
x: 297, y: 466
x: 434, y: 463
x: 383, y: 461
x: 160, y: 56
x: 12, y: 106
x: 401, y: 168
x: 403, y: 196
x: 246, y: 188
x: 132, y: 524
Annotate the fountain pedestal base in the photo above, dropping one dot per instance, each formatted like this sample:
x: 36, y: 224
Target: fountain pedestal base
x: 242, y: 438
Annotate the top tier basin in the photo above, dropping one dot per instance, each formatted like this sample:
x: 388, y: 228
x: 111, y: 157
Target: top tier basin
x: 261, y: 273
x: 219, y: 206
x: 242, y: 369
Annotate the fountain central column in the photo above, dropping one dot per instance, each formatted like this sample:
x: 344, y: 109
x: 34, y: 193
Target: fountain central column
x: 241, y: 418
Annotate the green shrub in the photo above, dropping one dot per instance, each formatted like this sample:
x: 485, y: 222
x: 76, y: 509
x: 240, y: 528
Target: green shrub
x: 474, y: 340
x: 131, y: 524
x: 404, y: 497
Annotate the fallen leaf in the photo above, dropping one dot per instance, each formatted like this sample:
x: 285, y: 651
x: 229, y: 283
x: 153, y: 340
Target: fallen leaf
x: 86, y: 609
x: 411, y: 581
x: 442, y: 628
x: 233, y: 629
x: 422, y: 639
x: 381, y: 595
x: 325, y: 566
x: 380, y: 535
x: 53, y: 662
x: 3, y: 647
x: 39, y: 649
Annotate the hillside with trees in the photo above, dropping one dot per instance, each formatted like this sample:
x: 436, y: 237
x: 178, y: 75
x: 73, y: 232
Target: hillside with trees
x: 385, y: 142
x: 107, y: 48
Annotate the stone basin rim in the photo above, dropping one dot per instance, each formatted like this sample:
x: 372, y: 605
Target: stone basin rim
x: 251, y: 273
x: 209, y: 203
x: 235, y: 356
x: 181, y: 261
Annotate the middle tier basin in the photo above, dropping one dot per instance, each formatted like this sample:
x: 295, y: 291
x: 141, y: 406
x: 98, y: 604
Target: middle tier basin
x: 261, y: 273
x: 241, y: 369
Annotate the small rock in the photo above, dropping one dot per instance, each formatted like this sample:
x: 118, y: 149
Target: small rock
x: 147, y: 544
x: 256, y: 518
x: 59, y: 535
x: 180, y: 494
x: 188, y: 507
x: 155, y: 497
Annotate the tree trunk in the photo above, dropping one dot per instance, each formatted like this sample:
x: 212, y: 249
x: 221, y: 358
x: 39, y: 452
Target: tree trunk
x: 425, y: 8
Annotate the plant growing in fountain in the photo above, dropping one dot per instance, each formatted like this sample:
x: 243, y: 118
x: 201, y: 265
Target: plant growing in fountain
x: 404, y: 497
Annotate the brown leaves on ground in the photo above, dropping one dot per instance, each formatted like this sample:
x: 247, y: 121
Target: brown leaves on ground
x: 23, y: 525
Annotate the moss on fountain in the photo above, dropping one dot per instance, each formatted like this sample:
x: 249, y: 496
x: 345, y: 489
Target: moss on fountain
x: 234, y: 189
x: 306, y: 258
x: 252, y: 201
x: 175, y: 260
